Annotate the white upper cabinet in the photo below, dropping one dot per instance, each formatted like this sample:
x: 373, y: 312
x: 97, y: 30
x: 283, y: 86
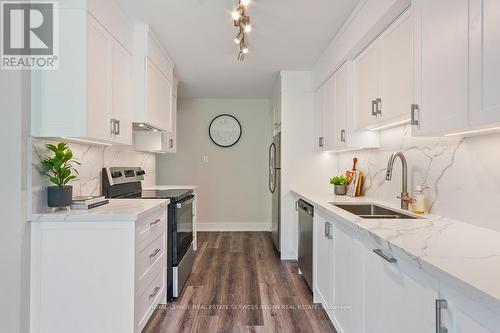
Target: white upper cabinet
x: 329, y: 125
x: 153, y: 81
x: 367, y: 86
x: 99, y: 75
x: 160, y: 141
x: 484, y: 62
x: 334, y: 126
x: 171, y: 137
x: 397, y: 70
x: 441, y: 48
x: 319, y: 109
x: 89, y: 96
x: 122, y: 93
x: 383, y: 77
x: 158, y: 109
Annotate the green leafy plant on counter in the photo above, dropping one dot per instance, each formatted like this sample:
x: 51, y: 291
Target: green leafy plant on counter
x: 339, y: 180
x: 60, y: 167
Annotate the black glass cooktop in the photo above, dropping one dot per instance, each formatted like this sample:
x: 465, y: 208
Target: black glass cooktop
x: 173, y: 195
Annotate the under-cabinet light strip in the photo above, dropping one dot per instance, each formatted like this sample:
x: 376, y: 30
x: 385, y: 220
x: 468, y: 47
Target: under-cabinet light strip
x: 474, y: 131
x: 391, y: 125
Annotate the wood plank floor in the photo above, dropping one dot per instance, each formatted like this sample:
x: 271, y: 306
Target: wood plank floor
x: 238, y: 284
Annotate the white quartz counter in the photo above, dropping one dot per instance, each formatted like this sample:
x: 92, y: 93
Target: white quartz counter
x: 118, y: 210
x: 462, y: 255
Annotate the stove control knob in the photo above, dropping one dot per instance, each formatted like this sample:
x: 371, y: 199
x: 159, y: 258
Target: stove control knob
x: 116, y: 174
x: 140, y: 173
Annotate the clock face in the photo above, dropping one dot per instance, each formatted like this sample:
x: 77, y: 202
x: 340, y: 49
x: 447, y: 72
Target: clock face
x: 225, y: 130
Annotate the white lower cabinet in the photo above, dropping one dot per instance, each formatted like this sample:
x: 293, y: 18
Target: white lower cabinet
x: 324, y: 260
x: 366, y: 287
x: 398, y: 298
x: 348, y: 281
x: 463, y: 315
x: 97, y: 276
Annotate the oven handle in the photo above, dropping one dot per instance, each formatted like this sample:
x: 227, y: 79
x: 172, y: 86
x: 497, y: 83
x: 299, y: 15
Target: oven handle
x: 181, y: 204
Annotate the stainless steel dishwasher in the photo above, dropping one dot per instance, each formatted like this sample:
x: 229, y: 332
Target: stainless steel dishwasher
x: 306, y: 216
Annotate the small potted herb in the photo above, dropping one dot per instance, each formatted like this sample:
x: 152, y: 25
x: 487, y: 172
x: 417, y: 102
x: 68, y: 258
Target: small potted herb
x: 60, y: 170
x: 340, y: 184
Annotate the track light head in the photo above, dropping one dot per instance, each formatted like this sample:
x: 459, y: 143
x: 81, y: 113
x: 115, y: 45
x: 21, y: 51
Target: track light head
x: 239, y: 37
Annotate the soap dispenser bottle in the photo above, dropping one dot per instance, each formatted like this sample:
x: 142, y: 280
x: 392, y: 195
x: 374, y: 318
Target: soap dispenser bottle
x: 418, y: 206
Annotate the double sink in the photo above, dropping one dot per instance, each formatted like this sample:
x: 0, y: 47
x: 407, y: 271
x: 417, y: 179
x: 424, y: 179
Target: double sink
x: 371, y: 211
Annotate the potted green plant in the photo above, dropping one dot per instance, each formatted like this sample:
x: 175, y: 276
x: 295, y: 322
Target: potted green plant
x: 60, y: 170
x: 339, y: 184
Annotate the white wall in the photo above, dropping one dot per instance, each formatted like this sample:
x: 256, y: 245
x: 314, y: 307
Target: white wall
x: 15, y: 231
x: 233, y: 193
x: 302, y: 166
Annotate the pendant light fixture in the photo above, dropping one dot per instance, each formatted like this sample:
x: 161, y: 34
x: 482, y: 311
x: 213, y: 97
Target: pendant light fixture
x: 242, y: 22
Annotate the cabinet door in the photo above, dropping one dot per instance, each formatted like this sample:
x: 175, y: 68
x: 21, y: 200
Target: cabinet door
x: 484, y: 62
x: 348, y: 281
x: 319, y: 109
x: 341, y: 104
x: 463, y: 315
x: 323, y: 271
x: 367, y: 83
x: 397, y: 71
x: 394, y: 301
x: 122, y: 93
x: 442, y: 50
x: 159, y: 96
x: 99, y: 95
x: 329, y: 114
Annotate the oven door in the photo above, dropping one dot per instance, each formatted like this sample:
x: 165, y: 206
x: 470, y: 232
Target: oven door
x: 182, y: 228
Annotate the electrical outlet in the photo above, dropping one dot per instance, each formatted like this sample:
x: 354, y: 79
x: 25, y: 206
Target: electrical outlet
x: 205, y: 159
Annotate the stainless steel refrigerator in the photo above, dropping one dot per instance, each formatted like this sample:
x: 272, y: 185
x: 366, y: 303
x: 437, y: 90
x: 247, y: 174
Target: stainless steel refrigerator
x: 275, y: 187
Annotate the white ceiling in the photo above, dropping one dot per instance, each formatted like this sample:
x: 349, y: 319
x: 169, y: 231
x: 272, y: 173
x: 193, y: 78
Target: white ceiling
x: 198, y: 34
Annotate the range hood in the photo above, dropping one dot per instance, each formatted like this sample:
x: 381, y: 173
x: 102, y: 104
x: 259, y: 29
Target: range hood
x: 143, y: 127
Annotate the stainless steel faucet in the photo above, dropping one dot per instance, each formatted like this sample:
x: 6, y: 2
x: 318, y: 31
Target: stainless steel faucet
x: 405, y: 196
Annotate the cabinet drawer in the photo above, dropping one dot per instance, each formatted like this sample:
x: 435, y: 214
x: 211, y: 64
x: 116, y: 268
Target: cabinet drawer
x: 150, y: 227
x: 147, y: 301
x: 149, y: 255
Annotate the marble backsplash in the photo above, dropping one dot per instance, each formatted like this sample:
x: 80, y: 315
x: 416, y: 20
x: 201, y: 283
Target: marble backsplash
x: 461, y: 176
x: 93, y: 159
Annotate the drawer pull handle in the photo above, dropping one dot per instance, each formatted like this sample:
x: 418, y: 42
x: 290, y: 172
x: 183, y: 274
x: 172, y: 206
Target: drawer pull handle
x: 153, y: 295
x: 154, y: 254
x: 441, y: 304
x: 392, y: 260
x: 155, y: 223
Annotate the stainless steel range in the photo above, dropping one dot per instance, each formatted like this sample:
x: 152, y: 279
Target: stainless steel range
x: 125, y: 183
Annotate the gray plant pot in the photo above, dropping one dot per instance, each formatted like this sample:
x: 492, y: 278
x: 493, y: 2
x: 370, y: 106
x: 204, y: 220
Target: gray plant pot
x: 59, y: 196
x: 340, y: 189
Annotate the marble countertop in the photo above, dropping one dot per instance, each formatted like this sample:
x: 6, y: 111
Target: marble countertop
x: 118, y: 210
x: 462, y: 255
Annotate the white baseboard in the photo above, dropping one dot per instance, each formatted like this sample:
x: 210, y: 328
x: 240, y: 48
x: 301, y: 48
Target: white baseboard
x: 233, y: 226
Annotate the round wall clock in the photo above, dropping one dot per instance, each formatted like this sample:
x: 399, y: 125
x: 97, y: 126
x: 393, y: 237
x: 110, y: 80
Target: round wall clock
x: 225, y: 130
